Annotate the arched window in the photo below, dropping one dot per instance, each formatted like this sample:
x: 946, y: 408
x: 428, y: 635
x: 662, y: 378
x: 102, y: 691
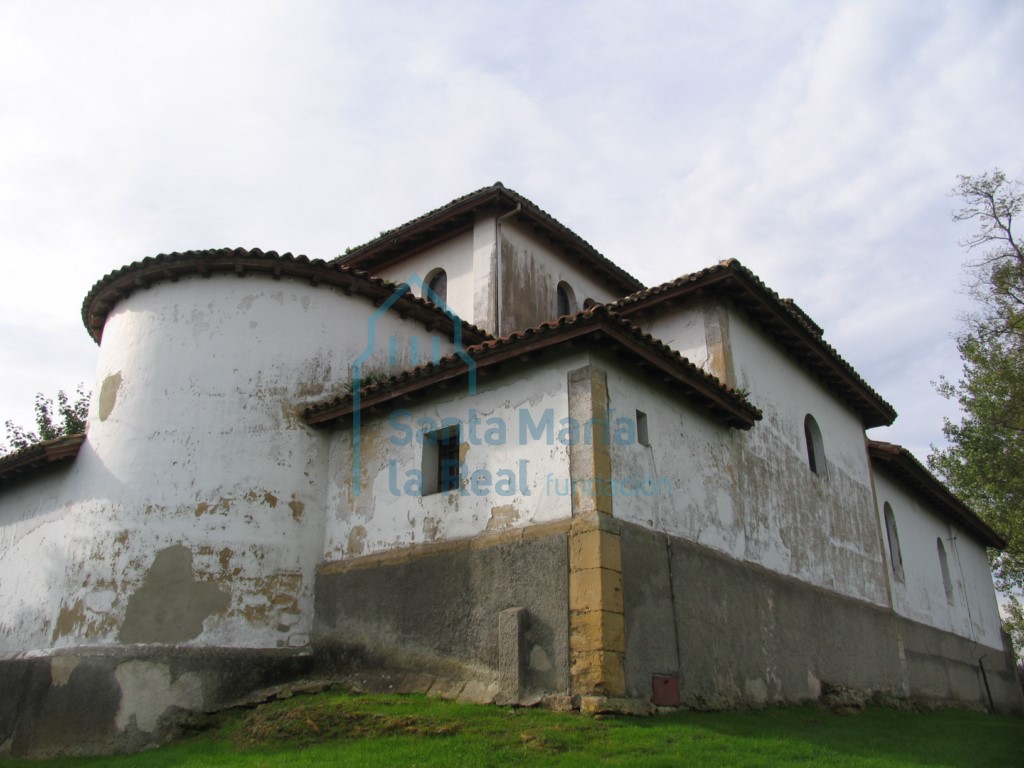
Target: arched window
x: 947, y: 582
x: 815, y: 447
x: 566, y: 300
x: 895, y: 556
x: 437, y: 282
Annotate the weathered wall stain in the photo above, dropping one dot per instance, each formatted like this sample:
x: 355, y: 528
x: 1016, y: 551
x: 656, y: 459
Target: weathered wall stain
x: 108, y: 394
x: 61, y: 668
x: 147, y: 692
x: 528, y: 299
x: 502, y: 516
x: 222, y: 505
x: 171, y: 605
x: 272, y: 595
x: 224, y: 556
x: 69, y: 620
x: 356, y: 539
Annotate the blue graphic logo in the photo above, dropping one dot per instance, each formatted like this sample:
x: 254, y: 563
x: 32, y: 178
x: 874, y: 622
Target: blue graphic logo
x: 413, y: 342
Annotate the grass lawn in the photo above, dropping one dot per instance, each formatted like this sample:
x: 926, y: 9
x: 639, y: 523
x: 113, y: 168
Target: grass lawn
x: 374, y: 730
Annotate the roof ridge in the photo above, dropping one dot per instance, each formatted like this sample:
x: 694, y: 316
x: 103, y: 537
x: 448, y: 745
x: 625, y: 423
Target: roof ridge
x: 392, y: 237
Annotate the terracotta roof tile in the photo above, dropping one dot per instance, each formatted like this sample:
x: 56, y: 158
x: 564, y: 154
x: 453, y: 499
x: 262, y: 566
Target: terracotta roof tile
x: 121, y: 283
x: 396, y: 243
x: 34, y: 458
x: 911, y: 473
x: 781, y: 318
x: 721, y: 400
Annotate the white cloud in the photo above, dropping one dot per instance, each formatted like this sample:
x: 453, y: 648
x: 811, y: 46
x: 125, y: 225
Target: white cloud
x: 814, y: 141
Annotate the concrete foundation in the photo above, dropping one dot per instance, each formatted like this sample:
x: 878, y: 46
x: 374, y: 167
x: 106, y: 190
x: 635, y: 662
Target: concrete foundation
x: 440, y: 609
x: 488, y: 620
x: 735, y: 634
x: 728, y: 634
x: 126, y: 698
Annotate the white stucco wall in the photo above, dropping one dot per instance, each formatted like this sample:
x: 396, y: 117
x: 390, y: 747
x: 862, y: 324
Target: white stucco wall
x: 384, y: 515
x: 455, y: 257
x: 921, y: 594
x: 195, y: 451
x: 35, y: 522
x: 834, y: 511
x: 557, y: 266
x: 682, y: 329
x: 751, y: 494
x: 684, y: 479
x: 532, y: 268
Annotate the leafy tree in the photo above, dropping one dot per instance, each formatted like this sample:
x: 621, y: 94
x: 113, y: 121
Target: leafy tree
x: 66, y: 418
x: 984, y: 461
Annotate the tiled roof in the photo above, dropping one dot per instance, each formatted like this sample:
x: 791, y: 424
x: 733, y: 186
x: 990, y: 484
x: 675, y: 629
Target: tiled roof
x: 780, y: 318
x: 40, y: 455
x: 598, y: 324
x: 117, y: 285
x: 911, y: 473
x: 421, y: 232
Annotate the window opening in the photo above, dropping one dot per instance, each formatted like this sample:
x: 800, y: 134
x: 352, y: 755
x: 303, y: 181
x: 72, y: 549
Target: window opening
x: 441, y: 460
x: 566, y: 300
x: 815, y: 446
x: 641, y: 428
x: 437, y: 282
x: 895, y: 555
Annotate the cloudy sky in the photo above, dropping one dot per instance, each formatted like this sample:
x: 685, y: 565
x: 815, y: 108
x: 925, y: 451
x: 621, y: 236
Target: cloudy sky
x: 815, y: 141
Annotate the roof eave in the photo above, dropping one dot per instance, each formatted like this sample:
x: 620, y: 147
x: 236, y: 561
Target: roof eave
x: 736, y: 281
x: 40, y: 456
x: 721, y: 403
x: 907, y: 469
x: 141, y: 275
x: 401, y: 242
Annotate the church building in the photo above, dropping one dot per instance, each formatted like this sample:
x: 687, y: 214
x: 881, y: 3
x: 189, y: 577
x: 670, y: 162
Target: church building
x: 476, y: 458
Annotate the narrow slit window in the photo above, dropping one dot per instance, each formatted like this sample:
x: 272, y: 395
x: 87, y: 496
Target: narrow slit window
x: 642, y: 436
x: 895, y: 555
x: 441, y: 450
x: 815, y: 447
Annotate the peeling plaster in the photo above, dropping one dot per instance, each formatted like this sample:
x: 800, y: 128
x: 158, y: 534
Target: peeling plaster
x: 356, y: 539
x: 171, y: 605
x: 147, y: 692
x: 108, y: 395
x: 61, y: 668
x: 502, y: 516
x: 69, y: 620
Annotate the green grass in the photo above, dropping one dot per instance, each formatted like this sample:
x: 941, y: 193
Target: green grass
x: 340, y: 729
